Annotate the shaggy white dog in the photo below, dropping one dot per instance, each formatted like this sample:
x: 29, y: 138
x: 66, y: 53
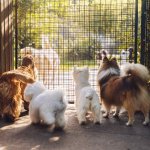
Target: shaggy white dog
x: 47, y: 107
x: 86, y: 97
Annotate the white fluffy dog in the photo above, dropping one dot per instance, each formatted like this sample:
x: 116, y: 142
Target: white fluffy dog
x: 47, y: 107
x: 86, y: 97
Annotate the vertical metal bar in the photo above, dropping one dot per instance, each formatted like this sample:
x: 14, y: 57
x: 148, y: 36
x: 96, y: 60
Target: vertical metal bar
x: 11, y: 33
x: 1, y: 39
x: 143, y: 20
x: 16, y: 33
x: 148, y: 32
x: 136, y: 31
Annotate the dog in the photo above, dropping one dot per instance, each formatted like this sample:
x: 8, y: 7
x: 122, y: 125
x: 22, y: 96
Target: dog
x: 124, y: 57
x: 47, y: 59
x: 86, y: 97
x: 12, y: 84
x: 46, y: 107
x: 100, y: 55
x: 29, y: 62
x: 125, y: 87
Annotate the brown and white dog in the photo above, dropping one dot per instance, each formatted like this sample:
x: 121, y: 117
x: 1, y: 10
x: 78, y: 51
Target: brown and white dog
x: 12, y: 85
x: 126, y: 87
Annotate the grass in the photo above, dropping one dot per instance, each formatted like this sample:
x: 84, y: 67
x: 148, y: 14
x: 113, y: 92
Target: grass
x: 68, y: 64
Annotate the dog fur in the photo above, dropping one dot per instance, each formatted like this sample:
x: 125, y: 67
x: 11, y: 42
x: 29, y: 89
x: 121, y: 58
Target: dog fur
x: 47, y: 107
x: 86, y: 97
x: 29, y: 62
x: 126, y: 87
x: 12, y: 84
x: 47, y: 62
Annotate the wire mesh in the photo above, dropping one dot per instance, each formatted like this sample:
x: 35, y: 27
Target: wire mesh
x: 64, y: 33
x: 147, y: 34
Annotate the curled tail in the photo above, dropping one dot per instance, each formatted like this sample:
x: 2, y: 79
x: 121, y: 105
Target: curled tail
x: 89, y: 95
x: 16, y: 76
x: 61, y: 97
x: 136, y: 70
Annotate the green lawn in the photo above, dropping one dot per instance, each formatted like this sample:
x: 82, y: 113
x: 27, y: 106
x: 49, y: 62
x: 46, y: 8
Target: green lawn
x: 67, y: 64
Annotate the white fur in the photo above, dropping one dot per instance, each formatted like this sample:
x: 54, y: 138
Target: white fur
x: 141, y: 70
x: 45, y: 41
x: 86, y: 97
x: 47, y: 61
x: 49, y: 55
x: 45, y: 106
x: 110, y: 71
x: 124, y: 56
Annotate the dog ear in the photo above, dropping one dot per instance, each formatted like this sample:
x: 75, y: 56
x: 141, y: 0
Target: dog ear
x: 114, y: 59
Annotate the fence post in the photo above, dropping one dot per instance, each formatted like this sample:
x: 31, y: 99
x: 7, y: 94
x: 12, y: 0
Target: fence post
x: 143, y: 37
x: 136, y: 31
x: 16, y: 32
x: 147, y: 34
x: 6, y: 24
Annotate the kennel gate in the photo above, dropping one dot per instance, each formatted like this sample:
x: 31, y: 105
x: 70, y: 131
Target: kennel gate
x: 76, y: 31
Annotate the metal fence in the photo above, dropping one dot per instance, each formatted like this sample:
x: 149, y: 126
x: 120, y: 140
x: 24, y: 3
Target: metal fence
x: 64, y: 33
x: 145, y: 36
x: 6, y: 31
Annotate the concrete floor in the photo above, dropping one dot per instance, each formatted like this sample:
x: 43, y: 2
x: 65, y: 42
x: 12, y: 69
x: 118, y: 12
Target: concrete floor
x: 112, y: 134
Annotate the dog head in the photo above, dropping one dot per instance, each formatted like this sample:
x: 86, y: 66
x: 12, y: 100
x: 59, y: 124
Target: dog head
x: 28, y: 61
x: 33, y: 90
x: 25, y: 51
x: 81, y: 75
x: 108, y: 68
x: 101, y: 54
x: 109, y: 63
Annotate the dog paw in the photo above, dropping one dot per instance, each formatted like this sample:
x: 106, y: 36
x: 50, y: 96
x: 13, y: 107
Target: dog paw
x: 128, y: 124
x: 105, y: 115
x: 145, y: 123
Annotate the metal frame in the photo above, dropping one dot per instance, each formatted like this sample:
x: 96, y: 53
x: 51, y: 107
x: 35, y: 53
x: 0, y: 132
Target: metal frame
x: 6, y: 32
x: 78, y: 30
x: 145, y: 33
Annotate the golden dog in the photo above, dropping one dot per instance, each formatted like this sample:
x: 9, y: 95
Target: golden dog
x: 12, y: 85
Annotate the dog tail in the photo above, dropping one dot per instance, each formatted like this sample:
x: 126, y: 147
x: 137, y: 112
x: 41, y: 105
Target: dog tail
x: 135, y: 70
x: 61, y: 95
x: 17, y: 76
x: 89, y: 95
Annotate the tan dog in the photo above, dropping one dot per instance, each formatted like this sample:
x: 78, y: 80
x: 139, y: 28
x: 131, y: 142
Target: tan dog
x: 128, y: 90
x: 47, y: 62
x: 12, y: 85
